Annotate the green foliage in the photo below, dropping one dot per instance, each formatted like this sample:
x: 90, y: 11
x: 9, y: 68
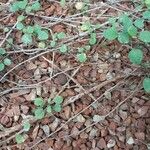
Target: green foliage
x: 43, y: 35
x: 26, y: 38
x: 2, y: 51
x: 52, y: 44
x: 29, y: 29
x: 26, y: 126
x: 20, y: 18
x: 81, y: 57
x: 43, y: 108
x: 146, y: 15
x: 136, y: 56
x: 132, y: 31
x: 19, y: 138
x: 139, y: 23
x: 92, y: 40
x: 63, y: 48
x: 19, y: 26
x: 49, y: 109
x: 62, y: 3
x: 39, y: 102
x: 61, y: 35
x: 36, y: 6
x: 57, y: 108
x: 39, y: 113
x: 145, y: 36
x: 41, y: 45
x: 146, y: 84
x: 110, y: 33
x: 7, y: 62
x: 58, y: 99
x: 123, y: 37
x: 2, y: 66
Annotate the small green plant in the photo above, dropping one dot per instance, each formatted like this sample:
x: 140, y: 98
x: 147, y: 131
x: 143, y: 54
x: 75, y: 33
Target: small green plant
x: 4, y: 61
x: 125, y: 29
x: 43, y: 108
x: 19, y: 138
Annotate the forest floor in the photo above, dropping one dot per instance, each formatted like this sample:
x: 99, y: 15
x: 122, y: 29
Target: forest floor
x: 104, y: 105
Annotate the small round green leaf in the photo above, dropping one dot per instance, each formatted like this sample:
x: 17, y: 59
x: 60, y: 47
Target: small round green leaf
x: 2, y: 51
x: 28, y: 9
x: 39, y: 113
x: 145, y: 36
x: 81, y: 57
x: 2, y: 66
x: 19, y: 138
x: 110, y: 33
x: 26, y: 38
x: 146, y: 84
x: 63, y: 48
x: 132, y: 31
x: 29, y: 29
x: 139, y: 23
x: 43, y: 35
x: 123, y: 37
x: 41, y: 45
x: 36, y: 6
x: 135, y: 56
x: 52, y: 44
x: 58, y: 99
x: 26, y: 126
x: 19, y: 26
x: 61, y: 35
x: 57, y: 108
x: 20, y: 18
x: 49, y: 109
x: 92, y: 40
x: 146, y: 15
x: 7, y: 61
x: 39, y: 102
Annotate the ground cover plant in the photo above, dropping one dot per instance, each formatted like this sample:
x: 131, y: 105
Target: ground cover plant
x: 74, y: 74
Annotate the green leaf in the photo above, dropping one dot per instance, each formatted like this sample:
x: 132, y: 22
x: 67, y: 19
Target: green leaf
x: 146, y: 84
x: 39, y: 102
x: 139, y: 23
x: 26, y: 38
x: 26, y: 126
x: 2, y: 51
x: 86, y: 26
x: 6, y: 29
x: 110, y: 33
x: 7, y: 61
x: 20, y: 18
x: 81, y: 49
x: 81, y: 57
x: 2, y: 66
x: 132, y: 31
x: 14, y: 7
x: 29, y: 29
x: 92, y: 40
x: 49, y: 109
x: 61, y: 35
x: 57, y: 108
x: 39, y: 113
x: 19, y: 138
x: 43, y: 35
x: 87, y: 47
x: 145, y: 36
x: 58, y: 99
x: 37, y: 28
x: 146, y: 15
x: 62, y: 3
x: 63, y: 48
x: 19, y: 26
x: 123, y: 37
x: 52, y: 44
x: 147, y: 2
x: 28, y: 9
x: 22, y: 4
x: 126, y: 21
x: 135, y: 56
x: 41, y: 45
x: 36, y: 6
